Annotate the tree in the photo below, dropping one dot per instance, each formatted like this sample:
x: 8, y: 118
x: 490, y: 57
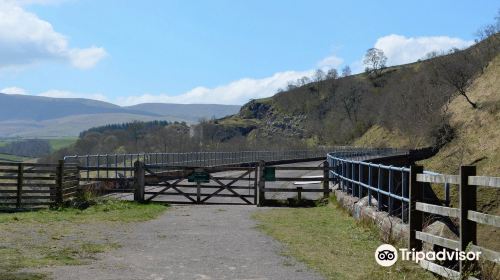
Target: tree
x: 352, y: 101
x: 332, y: 74
x: 319, y: 76
x: 346, y: 71
x: 458, y: 72
x: 374, y: 61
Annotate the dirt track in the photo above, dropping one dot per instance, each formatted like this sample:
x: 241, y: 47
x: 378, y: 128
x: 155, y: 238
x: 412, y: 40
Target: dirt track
x: 194, y: 242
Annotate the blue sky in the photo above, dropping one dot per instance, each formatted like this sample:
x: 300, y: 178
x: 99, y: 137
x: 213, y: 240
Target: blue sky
x: 128, y: 52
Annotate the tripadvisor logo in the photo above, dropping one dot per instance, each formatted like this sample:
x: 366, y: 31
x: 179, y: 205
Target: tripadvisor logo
x: 386, y: 255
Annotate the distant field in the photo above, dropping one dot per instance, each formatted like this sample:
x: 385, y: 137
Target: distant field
x: 57, y: 144
x: 7, y: 157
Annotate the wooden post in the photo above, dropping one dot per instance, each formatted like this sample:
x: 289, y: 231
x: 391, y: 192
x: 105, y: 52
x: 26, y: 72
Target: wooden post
x: 255, y: 185
x: 262, y: 184
x: 326, y: 179
x: 415, y: 216
x: 198, y: 192
x: 139, y: 181
x: 59, y: 182
x: 20, y: 172
x: 467, y: 193
x: 299, y: 194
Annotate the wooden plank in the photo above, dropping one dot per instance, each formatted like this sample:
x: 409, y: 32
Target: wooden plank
x: 488, y: 254
x: 40, y: 178
x: 5, y: 177
x: 438, y: 179
x: 38, y: 197
x: 440, y: 270
x: 12, y: 191
x: 438, y: 210
x: 291, y: 179
x: 302, y: 168
x: 484, y: 181
x: 44, y: 171
x: 8, y: 170
x: 232, y: 178
x: 201, y: 194
x: 41, y: 185
x: 437, y: 240
x: 482, y: 218
x: 293, y: 190
x: 209, y: 187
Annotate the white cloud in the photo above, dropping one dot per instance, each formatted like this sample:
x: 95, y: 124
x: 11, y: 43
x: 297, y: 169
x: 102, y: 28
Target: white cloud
x: 330, y: 62
x: 400, y: 49
x: 69, y: 94
x: 13, y: 90
x: 237, y: 92
x: 27, y: 39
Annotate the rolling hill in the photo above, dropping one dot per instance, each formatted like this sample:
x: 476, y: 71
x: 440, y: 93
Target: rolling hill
x: 36, y: 116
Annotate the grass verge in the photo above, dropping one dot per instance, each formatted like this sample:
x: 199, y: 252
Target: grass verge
x: 67, y: 236
x: 333, y: 243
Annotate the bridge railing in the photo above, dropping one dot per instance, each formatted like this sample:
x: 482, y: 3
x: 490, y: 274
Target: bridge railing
x: 121, y: 166
x: 386, y: 186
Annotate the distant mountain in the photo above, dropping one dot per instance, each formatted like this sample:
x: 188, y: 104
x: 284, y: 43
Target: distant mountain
x: 36, y: 116
x: 193, y: 112
x: 38, y: 108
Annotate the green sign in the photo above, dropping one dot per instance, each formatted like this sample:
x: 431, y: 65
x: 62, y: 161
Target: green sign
x: 270, y: 173
x: 199, y: 177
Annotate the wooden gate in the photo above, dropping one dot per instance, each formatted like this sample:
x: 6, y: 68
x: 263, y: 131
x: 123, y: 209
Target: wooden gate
x: 204, y: 185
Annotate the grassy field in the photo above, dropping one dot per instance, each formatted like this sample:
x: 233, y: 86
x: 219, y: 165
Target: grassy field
x: 7, y: 157
x: 57, y: 144
x: 330, y: 241
x: 38, y: 239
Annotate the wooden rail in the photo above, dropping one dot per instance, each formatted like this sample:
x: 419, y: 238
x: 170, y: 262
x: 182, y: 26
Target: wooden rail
x: 466, y: 213
x: 32, y: 185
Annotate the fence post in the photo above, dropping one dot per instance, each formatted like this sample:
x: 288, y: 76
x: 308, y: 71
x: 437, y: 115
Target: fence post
x: 467, y: 193
x: 261, y: 184
x: 326, y: 179
x: 139, y: 181
x: 415, y: 217
x: 299, y: 194
x: 20, y: 174
x: 59, y: 182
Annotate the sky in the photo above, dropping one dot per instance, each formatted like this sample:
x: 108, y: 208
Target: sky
x: 217, y: 51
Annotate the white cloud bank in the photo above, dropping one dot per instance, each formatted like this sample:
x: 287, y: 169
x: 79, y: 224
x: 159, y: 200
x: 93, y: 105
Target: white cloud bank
x: 400, y: 49
x: 14, y: 90
x: 27, y: 39
x: 237, y: 92
x: 330, y: 62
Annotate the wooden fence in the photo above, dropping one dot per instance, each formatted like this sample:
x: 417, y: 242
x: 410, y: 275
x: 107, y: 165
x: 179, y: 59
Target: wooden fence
x: 467, y: 215
x: 33, y: 185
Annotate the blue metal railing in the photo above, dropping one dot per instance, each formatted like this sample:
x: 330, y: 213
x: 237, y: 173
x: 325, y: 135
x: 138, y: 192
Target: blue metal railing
x: 388, y: 184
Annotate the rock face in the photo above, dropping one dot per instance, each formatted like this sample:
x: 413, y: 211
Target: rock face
x: 273, y: 123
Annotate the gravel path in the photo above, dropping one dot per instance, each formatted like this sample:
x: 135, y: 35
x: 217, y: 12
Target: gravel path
x: 194, y: 242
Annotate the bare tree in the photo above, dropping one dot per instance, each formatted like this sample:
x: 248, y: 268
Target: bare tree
x: 352, y: 101
x: 374, y: 61
x: 332, y: 74
x: 458, y: 72
x: 319, y: 76
x: 346, y: 71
